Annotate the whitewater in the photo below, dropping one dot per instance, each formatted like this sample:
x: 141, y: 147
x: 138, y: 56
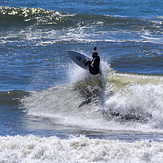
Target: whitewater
x: 54, y: 111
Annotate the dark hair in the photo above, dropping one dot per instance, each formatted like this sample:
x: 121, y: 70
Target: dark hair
x: 95, y: 47
x: 94, y: 54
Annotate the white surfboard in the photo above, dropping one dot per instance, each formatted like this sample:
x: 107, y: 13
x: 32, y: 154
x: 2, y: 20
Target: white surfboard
x: 78, y: 58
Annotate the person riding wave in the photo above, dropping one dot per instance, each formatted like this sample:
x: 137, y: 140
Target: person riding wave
x: 95, y: 63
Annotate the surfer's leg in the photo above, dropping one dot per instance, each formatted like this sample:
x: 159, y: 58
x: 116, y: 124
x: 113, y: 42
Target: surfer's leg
x: 91, y: 69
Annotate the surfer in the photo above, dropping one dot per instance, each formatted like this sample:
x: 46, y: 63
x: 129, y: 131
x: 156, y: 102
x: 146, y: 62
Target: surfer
x: 95, y: 63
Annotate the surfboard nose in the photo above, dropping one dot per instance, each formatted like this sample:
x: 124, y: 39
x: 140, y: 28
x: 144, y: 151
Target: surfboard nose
x: 78, y: 58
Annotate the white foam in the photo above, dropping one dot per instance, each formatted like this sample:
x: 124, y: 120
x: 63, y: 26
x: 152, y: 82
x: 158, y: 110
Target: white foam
x: 60, y: 104
x: 76, y: 73
x: 34, y: 149
x: 142, y: 101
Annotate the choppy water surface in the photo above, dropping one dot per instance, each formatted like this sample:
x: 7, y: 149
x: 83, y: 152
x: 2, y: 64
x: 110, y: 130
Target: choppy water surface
x: 54, y: 111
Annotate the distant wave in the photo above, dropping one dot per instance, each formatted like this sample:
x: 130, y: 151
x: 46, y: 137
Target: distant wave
x: 42, y: 16
x: 9, y: 15
x: 62, y: 26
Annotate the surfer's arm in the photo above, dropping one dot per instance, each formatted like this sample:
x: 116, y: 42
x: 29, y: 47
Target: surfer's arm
x: 92, y: 64
x: 85, y: 62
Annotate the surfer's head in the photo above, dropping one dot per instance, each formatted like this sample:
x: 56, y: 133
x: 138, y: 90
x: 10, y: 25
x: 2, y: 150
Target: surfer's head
x: 94, y: 54
x: 95, y: 47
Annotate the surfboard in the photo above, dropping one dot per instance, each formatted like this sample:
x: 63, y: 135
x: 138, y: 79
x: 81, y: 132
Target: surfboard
x: 78, y: 58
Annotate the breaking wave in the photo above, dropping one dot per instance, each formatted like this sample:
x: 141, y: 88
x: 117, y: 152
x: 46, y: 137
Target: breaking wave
x: 41, y: 23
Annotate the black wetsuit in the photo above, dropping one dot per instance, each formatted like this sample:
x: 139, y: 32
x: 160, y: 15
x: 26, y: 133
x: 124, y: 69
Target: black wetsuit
x: 95, y: 69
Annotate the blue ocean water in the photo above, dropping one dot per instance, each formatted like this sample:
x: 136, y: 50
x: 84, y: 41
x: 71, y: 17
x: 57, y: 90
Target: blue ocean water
x: 54, y: 111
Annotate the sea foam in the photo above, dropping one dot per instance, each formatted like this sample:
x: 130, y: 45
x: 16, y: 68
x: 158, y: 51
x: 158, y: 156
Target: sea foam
x: 77, y: 149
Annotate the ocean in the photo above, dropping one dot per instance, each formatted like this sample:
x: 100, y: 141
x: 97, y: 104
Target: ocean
x: 53, y: 111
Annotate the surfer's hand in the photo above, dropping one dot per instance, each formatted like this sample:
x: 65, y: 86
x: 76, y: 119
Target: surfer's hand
x: 85, y: 63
